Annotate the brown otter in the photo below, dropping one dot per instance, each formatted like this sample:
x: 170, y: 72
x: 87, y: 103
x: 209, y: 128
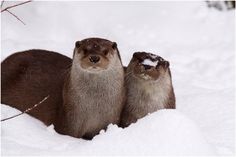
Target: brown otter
x: 149, y: 87
x: 29, y: 76
x: 94, y: 90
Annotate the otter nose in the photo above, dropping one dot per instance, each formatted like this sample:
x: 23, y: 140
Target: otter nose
x: 94, y: 59
x: 146, y: 67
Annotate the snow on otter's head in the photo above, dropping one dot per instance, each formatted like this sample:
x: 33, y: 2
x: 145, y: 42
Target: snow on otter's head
x: 149, y: 62
x: 148, y: 66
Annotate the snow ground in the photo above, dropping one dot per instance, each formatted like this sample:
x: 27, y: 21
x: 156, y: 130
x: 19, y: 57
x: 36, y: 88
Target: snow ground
x: 198, y: 42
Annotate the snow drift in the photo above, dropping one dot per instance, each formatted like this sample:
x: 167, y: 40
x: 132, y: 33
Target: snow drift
x: 166, y: 132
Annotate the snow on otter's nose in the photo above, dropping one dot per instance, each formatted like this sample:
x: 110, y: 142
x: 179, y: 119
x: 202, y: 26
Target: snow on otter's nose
x: 149, y: 62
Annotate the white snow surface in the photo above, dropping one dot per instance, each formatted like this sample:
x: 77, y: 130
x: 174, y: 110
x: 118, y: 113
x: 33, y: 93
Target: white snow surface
x: 197, y: 41
x: 149, y: 62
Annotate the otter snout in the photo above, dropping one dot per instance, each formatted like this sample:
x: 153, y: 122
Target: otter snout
x: 146, y: 67
x: 94, y: 58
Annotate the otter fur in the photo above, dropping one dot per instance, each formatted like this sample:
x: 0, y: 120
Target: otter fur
x: 149, y: 87
x: 93, y: 93
x: 28, y: 77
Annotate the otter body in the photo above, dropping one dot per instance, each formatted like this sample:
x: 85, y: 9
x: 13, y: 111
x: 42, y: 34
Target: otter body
x: 85, y: 94
x: 94, y: 90
x: 149, y: 87
x: 28, y: 77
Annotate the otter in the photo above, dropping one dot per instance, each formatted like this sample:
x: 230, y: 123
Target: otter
x: 86, y: 93
x: 29, y: 76
x: 149, y: 87
x: 93, y: 92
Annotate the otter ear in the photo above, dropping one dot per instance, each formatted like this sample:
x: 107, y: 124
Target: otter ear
x: 77, y: 44
x: 165, y: 64
x: 114, y: 45
x: 136, y: 55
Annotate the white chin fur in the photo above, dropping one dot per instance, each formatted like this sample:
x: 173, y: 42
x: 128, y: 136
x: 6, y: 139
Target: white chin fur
x: 94, y: 69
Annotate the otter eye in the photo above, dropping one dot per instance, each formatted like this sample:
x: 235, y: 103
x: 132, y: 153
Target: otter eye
x: 140, y: 60
x: 105, y: 52
x: 85, y: 51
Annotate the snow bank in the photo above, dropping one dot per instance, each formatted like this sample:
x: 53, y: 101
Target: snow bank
x: 166, y: 132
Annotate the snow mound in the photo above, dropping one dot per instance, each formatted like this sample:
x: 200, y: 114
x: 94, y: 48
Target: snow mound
x: 166, y: 132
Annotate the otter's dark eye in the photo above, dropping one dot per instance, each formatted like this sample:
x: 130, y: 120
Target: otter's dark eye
x: 85, y: 51
x: 140, y: 60
x: 105, y: 52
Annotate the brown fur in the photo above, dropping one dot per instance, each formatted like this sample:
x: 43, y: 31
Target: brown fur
x: 29, y: 76
x: 93, y: 93
x: 148, y: 90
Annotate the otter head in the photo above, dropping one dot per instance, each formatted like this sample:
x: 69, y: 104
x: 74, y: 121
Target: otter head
x: 148, y: 66
x: 95, y: 54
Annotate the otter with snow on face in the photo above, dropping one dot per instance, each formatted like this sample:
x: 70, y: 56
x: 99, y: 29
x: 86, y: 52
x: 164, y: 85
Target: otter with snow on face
x: 94, y: 90
x: 149, y: 87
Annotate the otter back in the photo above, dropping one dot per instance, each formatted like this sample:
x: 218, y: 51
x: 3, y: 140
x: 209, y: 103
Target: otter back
x: 29, y: 76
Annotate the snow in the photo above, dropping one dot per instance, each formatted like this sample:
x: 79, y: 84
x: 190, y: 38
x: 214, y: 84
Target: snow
x: 198, y: 42
x: 149, y: 62
x: 171, y: 128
